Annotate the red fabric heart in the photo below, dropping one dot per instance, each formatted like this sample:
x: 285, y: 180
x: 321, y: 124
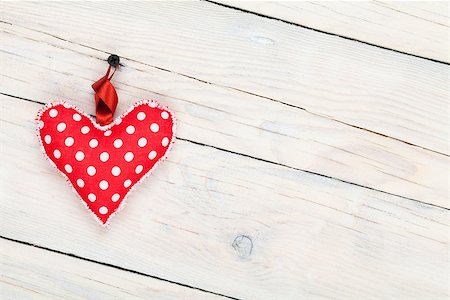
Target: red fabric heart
x: 104, y: 163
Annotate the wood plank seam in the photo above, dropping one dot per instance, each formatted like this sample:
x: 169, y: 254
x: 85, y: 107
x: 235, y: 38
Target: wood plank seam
x: 381, y: 236
x: 325, y: 32
x: 313, y: 113
x: 365, y: 185
x: 371, y: 236
x: 115, y: 267
x: 395, y: 122
x: 272, y: 162
x: 59, y: 276
x: 251, y: 93
x: 132, y: 67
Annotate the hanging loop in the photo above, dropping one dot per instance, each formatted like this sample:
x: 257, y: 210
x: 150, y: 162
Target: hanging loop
x: 105, y: 94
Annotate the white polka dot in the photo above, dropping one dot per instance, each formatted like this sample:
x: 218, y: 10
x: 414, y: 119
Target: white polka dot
x: 152, y: 154
x: 93, y: 143
x: 115, y: 197
x: 103, y: 184
x: 154, y: 127
x: 68, y: 168
x: 104, y: 156
x: 103, y: 210
x: 118, y: 143
x: 53, y: 113
x: 85, y: 129
x: 127, y: 183
x: 130, y: 129
x: 61, y: 127
x: 118, y: 121
x: 40, y: 124
x: 80, y: 183
x: 66, y: 105
x: 69, y: 141
x: 165, y: 142
x: 91, y: 170
x: 92, y: 197
x: 48, y: 139
x: 79, y: 156
x: 153, y: 104
x: 139, y: 169
x: 141, y: 116
x: 165, y: 115
x: 57, y: 153
x: 107, y: 133
x: 76, y: 117
x: 129, y: 156
x: 115, y: 171
x: 142, y: 142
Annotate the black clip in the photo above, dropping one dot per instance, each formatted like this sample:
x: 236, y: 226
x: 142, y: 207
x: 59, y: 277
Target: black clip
x: 114, y: 60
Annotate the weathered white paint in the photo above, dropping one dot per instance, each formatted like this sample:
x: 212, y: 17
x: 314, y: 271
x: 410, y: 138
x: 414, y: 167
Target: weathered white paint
x: 232, y: 225
x: 226, y: 118
x: 219, y: 221
x: 420, y: 28
x: 32, y: 273
x: 390, y: 93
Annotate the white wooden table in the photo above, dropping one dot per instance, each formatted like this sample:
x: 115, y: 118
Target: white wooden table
x: 311, y: 161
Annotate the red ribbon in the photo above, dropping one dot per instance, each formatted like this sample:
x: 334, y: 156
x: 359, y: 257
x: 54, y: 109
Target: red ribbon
x: 105, y: 99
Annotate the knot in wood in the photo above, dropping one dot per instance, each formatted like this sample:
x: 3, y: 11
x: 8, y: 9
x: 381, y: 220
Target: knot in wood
x: 243, y: 245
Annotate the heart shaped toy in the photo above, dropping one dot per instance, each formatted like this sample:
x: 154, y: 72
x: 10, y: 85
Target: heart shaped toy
x: 103, y: 164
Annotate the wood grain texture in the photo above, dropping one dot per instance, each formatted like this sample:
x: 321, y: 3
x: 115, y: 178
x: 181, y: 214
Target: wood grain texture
x: 418, y: 28
x: 226, y: 118
x: 233, y: 225
x: 392, y: 94
x: 32, y: 273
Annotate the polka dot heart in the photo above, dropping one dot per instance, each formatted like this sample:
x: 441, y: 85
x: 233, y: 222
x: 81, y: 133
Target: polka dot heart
x: 104, y: 163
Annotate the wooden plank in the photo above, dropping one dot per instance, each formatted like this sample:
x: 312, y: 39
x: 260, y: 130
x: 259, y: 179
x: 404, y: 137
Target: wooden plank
x: 230, y: 224
x: 396, y: 95
x: 418, y: 28
x: 32, y: 273
x: 226, y: 118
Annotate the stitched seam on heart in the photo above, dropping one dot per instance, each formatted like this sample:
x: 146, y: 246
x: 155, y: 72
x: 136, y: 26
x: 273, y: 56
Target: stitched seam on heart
x: 105, y: 128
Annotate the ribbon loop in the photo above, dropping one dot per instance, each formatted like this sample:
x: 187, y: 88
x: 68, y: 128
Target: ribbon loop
x: 105, y: 98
